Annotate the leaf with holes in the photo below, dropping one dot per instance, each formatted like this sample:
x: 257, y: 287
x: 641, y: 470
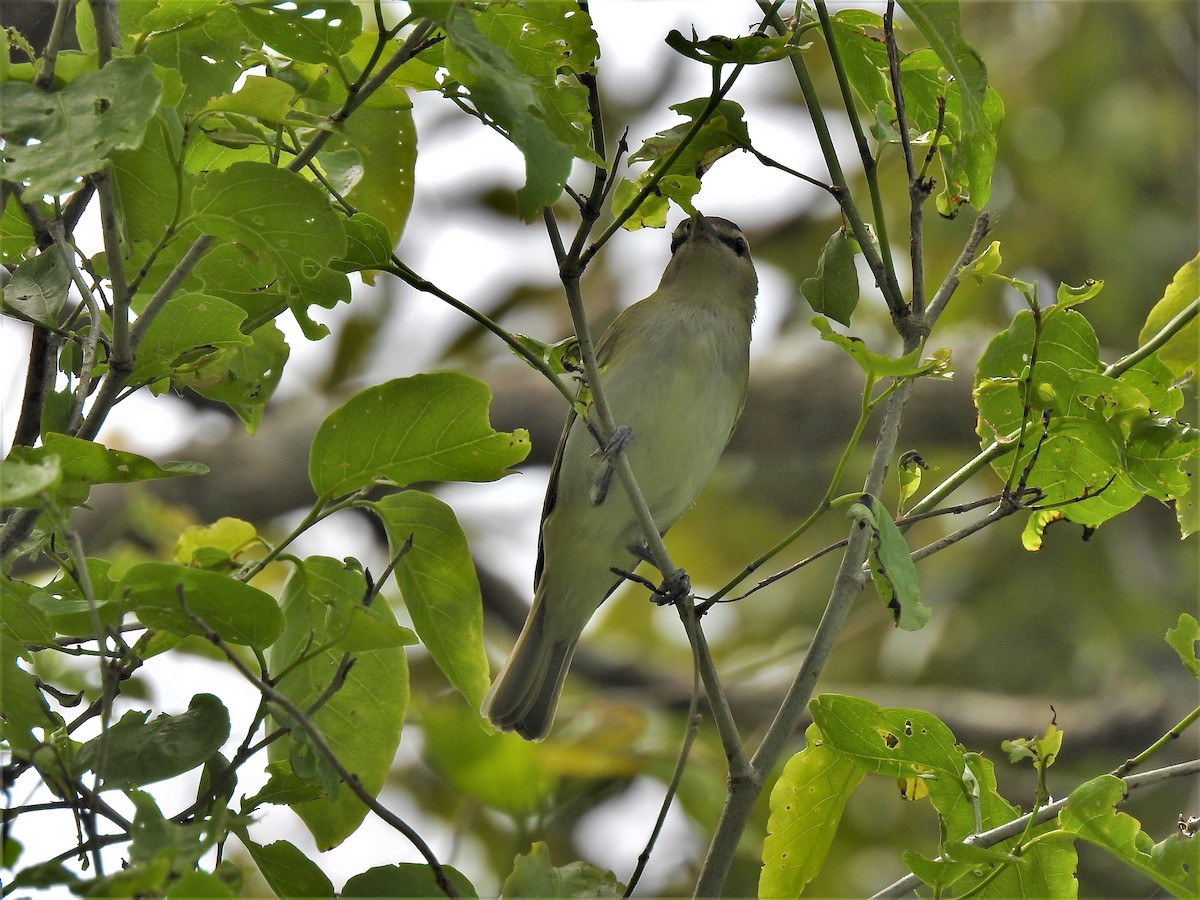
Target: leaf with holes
x: 53, y: 139
x: 806, y: 807
x: 284, y: 221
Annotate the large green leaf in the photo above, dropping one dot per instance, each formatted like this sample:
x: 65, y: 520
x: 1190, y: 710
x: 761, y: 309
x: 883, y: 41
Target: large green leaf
x: 201, y: 39
x: 806, y: 806
x: 284, y: 221
x: 239, y: 613
x: 317, y: 33
x: 362, y: 719
x: 833, y: 291
x: 85, y: 463
x: 134, y: 751
x: 440, y: 588
x: 424, y: 428
x: 939, y: 22
x: 55, y: 138
x: 515, y: 101
x: 1091, y: 814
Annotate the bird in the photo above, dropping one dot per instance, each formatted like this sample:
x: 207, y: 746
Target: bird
x: 673, y: 369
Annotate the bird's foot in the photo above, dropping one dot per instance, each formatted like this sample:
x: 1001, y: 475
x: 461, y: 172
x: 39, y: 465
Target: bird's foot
x: 674, y: 588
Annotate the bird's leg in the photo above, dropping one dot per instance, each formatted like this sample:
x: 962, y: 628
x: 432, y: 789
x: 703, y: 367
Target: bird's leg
x: 621, y: 437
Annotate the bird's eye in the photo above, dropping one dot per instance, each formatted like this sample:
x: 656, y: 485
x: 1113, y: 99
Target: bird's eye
x: 739, y: 246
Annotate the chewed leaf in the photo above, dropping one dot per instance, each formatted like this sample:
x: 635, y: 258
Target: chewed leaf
x: 424, y: 428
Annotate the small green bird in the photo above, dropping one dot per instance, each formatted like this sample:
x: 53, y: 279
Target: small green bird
x: 673, y: 368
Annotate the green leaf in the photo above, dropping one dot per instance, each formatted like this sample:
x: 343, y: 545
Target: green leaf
x: 24, y: 707
x: 723, y: 131
x: 386, y: 141
x: 37, y: 291
x: 1180, y: 353
x: 899, y: 743
x: 938, y: 21
x: 239, y: 613
x: 865, y: 60
x: 806, y: 807
x: 316, y: 33
x: 22, y: 482
x: 85, y: 463
x: 269, y: 100
x: 437, y: 578
x: 405, y: 880
x: 1182, y: 639
x: 514, y: 100
x: 189, y: 329
x: 20, y: 619
x: 877, y: 365
x: 283, y: 788
x: 833, y: 291
x: 534, y: 876
x: 361, y: 721
x: 552, y: 41
x: 1091, y: 814
x: 425, y: 428
x: 892, y: 568
x: 202, y: 41
x: 287, y: 223
x: 134, y: 752
x: 55, y: 138
x: 720, y: 50
x: 563, y: 357
x: 287, y: 870
x: 368, y: 245
x: 1072, y: 296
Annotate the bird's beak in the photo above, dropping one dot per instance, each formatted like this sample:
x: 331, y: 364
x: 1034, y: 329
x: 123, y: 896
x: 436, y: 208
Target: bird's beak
x: 699, y: 224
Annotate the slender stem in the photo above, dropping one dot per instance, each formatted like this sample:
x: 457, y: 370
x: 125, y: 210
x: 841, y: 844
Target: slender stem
x: 1168, y: 331
x: 413, y: 44
x: 840, y: 187
x: 819, y: 510
x: 297, y: 715
x: 918, y: 189
x: 945, y: 291
x: 1166, y: 740
x: 92, y: 340
x: 412, y: 279
x: 45, y: 75
x: 663, y: 167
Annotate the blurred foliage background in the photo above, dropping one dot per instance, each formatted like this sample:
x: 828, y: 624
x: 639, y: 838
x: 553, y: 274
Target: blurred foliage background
x: 1096, y: 178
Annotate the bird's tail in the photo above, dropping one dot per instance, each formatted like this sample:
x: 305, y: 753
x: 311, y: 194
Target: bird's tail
x: 525, y: 693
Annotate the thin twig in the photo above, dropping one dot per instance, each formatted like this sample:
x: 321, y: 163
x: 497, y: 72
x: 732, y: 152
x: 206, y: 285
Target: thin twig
x: 297, y: 715
x: 909, y: 883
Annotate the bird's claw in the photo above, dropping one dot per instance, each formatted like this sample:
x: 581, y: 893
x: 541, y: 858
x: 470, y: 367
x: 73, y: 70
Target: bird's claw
x: 675, y: 587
